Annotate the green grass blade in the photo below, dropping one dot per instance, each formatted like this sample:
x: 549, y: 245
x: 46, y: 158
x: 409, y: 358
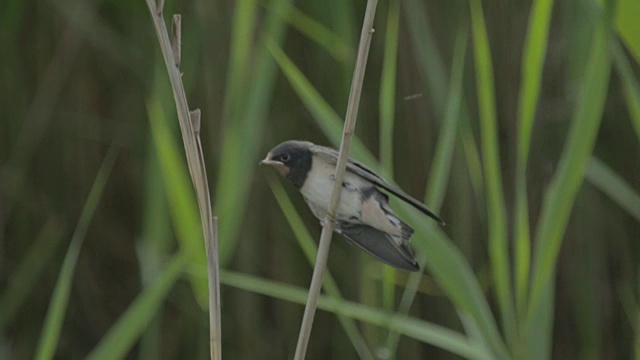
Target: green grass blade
x: 441, y: 166
x: 60, y: 299
x: 310, y: 250
x: 154, y: 244
x: 456, y: 278
x: 244, y: 22
x: 124, y: 334
x: 535, y: 50
x: 180, y: 195
x: 33, y: 265
x: 336, y: 46
x: 387, y: 104
x: 498, y: 246
x: 629, y: 85
x: 472, y: 158
x: 246, y: 120
x: 415, y: 328
x: 614, y: 186
x: 563, y: 189
x: 628, y: 26
x: 537, y: 330
x: 387, y: 97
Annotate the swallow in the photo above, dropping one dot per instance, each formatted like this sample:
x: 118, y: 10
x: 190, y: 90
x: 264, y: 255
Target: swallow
x: 364, y: 217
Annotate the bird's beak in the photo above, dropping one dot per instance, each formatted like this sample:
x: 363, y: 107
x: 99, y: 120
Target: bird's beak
x: 270, y: 162
x: 275, y: 163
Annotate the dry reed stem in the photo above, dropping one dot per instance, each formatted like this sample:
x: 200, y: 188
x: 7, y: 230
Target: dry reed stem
x: 347, y: 135
x: 190, y: 129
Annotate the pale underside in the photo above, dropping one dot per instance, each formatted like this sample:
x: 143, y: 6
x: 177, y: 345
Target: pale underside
x: 372, y: 210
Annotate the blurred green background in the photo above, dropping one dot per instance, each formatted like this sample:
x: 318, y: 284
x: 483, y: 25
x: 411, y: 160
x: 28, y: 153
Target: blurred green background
x: 518, y: 120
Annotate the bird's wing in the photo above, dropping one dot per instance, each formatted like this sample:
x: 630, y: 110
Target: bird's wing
x: 379, y: 245
x: 363, y: 171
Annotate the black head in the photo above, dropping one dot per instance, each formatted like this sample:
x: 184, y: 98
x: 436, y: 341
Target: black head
x: 292, y: 159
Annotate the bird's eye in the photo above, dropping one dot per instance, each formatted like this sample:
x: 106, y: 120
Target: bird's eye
x: 285, y: 157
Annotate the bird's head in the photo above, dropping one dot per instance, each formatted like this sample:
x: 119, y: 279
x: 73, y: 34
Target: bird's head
x: 292, y: 159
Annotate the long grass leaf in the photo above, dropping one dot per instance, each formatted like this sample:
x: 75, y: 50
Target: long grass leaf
x: 336, y: 46
x: 124, y: 334
x: 415, y: 328
x: 244, y: 22
x: 33, y: 265
x: 498, y: 246
x: 614, y: 186
x: 453, y: 273
x: 180, y: 195
x: 441, y: 165
x: 537, y: 330
x: 387, y: 97
x: 535, y: 49
x: 566, y: 182
x: 245, y: 121
x: 60, y: 299
x: 154, y: 243
x: 387, y: 104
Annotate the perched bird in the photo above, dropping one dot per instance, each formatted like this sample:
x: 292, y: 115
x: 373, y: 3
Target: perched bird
x: 364, y: 216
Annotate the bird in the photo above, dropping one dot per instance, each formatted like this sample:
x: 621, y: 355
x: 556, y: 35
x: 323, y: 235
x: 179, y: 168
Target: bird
x: 363, y: 217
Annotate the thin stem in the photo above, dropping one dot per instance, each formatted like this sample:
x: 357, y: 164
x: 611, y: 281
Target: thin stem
x: 190, y: 129
x: 347, y: 135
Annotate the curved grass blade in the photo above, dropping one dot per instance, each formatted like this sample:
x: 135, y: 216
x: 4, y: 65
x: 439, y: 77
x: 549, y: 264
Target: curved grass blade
x: 60, y: 299
x: 124, y: 334
x: 387, y: 96
x: 181, y: 197
x: 154, y: 244
x: 323, y: 36
x: 33, y: 265
x: 246, y: 106
x: 614, y: 186
x: 387, y: 104
x: 441, y: 166
x: 560, y: 196
x: 535, y: 50
x: 415, y: 328
x: 498, y: 246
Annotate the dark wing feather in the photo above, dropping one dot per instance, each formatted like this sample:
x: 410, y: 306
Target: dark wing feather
x: 362, y: 170
x: 379, y: 245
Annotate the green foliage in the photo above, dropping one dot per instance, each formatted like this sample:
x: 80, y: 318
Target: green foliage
x: 60, y: 298
x: 119, y: 340
x: 497, y: 222
x: 181, y: 198
x: 500, y: 141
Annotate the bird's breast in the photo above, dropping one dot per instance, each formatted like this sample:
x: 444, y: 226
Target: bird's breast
x: 319, y: 185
